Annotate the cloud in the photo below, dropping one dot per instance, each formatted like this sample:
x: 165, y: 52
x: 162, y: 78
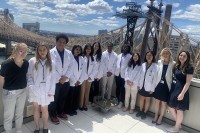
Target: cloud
x: 192, y: 30
x: 120, y: 9
x: 102, y: 22
x: 177, y: 12
x: 94, y: 7
x: 191, y: 13
x: 122, y: 0
x: 176, y: 5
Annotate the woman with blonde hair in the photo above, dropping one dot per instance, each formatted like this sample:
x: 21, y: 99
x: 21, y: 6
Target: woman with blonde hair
x: 164, y: 81
x: 41, y: 84
x: 13, y: 80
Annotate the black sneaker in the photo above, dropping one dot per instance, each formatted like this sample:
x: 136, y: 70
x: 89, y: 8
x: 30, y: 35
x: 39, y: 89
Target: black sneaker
x: 74, y: 112
x: 37, y: 131
x: 81, y: 108
x: 85, y: 108
x: 45, y: 131
x: 71, y: 113
x: 143, y: 116
x: 139, y: 113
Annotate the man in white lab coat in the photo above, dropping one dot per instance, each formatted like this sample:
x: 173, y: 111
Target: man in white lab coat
x: 63, y: 61
x: 109, y: 59
x: 122, y: 64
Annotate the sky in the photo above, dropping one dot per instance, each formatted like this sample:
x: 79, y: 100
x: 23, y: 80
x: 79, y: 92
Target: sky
x: 88, y: 16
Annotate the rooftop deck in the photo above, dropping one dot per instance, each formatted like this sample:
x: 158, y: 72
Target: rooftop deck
x: 94, y: 121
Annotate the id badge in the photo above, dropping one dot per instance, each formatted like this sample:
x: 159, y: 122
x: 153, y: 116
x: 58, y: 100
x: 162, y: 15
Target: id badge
x: 162, y: 82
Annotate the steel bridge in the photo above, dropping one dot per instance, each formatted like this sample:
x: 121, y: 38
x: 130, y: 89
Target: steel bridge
x: 9, y: 31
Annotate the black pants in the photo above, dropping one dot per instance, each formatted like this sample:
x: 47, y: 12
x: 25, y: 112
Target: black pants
x: 120, y: 89
x: 57, y: 106
x: 73, y: 99
x: 94, y: 90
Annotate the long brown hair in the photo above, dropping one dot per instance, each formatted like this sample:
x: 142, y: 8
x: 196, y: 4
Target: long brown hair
x: 186, y: 63
x: 48, y: 62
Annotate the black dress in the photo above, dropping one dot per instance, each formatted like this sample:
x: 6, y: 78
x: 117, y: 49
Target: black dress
x: 162, y: 91
x: 180, y: 82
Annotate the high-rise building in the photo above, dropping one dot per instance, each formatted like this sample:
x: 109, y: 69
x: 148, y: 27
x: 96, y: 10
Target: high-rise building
x: 33, y: 27
x: 102, y: 32
x: 175, y: 42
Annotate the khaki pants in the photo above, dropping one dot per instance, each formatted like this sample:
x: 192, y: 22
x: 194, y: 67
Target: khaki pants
x: 133, y: 94
x: 107, y: 86
x: 84, y: 94
x: 13, y: 102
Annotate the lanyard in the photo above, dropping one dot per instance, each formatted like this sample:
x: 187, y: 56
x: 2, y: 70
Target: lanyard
x: 147, y: 67
x: 42, y: 69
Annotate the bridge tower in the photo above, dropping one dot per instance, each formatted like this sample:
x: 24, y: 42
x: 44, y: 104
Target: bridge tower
x: 148, y: 29
x: 8, y: 18
x: 131, y: 13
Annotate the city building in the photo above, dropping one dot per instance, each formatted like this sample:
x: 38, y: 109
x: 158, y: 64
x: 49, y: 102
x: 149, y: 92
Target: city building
x: 102, y: 32
x: 33, y: 27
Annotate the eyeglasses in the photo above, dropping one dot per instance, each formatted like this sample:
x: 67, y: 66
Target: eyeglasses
x: 23, y: 51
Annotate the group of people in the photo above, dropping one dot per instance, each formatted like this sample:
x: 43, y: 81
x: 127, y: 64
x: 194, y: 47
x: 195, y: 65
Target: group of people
x: 63, y: 81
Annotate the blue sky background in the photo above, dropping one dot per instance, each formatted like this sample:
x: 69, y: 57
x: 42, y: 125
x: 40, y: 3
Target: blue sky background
x: 89, y: 16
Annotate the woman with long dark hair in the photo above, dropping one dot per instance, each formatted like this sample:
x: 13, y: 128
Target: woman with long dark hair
x: 179, y: 97
x: 94, y: 90
x: 77, y: 78
x: 90, y: 72
x: 147, y: 83
x: 131, y: 81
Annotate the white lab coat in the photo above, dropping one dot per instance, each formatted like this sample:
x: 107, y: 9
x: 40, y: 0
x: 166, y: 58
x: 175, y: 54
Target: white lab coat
x: 123, y: 60
x: 99, y: 68
x: 78, y: 74
x: 150, y: 79
x: 168, y: 75
x: 64, y: 69
x: 109, y: 61
x: 40, y: 85
x: 133, y: 75
x: 92, y: 71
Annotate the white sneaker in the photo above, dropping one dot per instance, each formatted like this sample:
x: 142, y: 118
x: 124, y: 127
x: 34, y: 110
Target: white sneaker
x: 120, y: 105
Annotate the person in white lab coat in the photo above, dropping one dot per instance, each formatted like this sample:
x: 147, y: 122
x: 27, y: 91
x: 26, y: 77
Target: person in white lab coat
x: 90, y: 72
x: 94, y: 90
x: 147, y: 83
x: 131, y: 81
x: 163, y: 85
x: 109, y: 60
x: 41, y: 83
x: 76, y: 79
x: 122, y: 64
x: 63, y: 59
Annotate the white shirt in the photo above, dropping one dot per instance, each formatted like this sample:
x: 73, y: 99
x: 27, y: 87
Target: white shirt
x: 133, y: 75
x: 78, y: 73
x: 122, y: 64
x: 109, y: 61
x: 168, y: 75
x: 92, y: 71
x: 149, y: 80
x: 65, y: 68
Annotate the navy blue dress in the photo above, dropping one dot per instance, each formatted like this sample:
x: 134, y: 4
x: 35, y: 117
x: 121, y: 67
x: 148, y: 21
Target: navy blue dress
x: 178, y: 87
x: 162, y: 91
